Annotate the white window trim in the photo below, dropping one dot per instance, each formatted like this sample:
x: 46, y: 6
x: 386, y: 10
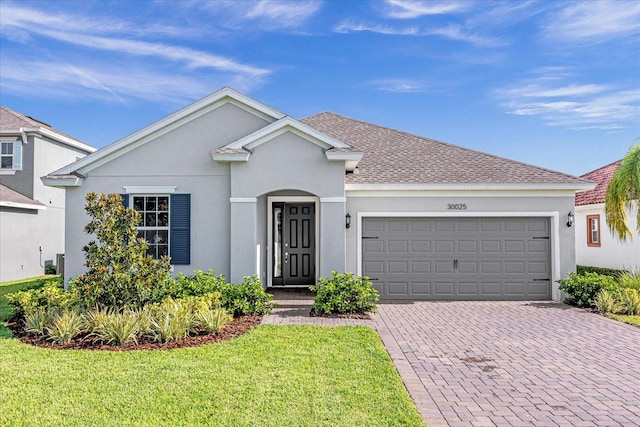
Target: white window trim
x: 554, y: 235
x: 290, y: 199
x: 142, y: 190
x: 168, y: 227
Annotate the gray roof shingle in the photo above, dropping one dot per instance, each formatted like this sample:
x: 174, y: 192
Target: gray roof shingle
x: 395, y: 157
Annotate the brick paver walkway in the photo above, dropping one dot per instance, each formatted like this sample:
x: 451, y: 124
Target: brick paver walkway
x: 503, y: 363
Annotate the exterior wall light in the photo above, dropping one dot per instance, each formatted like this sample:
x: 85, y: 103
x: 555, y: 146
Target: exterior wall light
x: 348, y: 220
x: 570, y: 218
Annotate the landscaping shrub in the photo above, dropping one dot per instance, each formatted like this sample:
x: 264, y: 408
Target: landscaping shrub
x: 582, y: 269
x: 66, y: 327
x: 630, y: 301
x: 36, y: 321
x: 51, y: 297
x: 211, y: 319
x: 170, y: 320
x: 344, y: 293
x: 50, y: 269
x: 200, y: 283
x: 582, y: 289
x: 630, y: 279
x: 247, y: 297
x: 120, y: 273
x: 607, y: 302
x: 114, y: 327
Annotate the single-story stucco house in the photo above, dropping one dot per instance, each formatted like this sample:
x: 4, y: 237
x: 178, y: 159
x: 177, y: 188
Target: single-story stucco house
x: 230, y: 184
x: 596, y: 246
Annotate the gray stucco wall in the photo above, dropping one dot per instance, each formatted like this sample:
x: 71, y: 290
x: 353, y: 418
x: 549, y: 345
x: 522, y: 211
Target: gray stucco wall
x: 556, y: 204
x: 178, y: 158
x: 30, y: 237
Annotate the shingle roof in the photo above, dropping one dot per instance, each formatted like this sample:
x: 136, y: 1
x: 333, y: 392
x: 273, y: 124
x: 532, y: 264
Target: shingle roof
x: 10, y: 197
x: 395, y: 157
x: 601, y: 176
x: 11, y: 119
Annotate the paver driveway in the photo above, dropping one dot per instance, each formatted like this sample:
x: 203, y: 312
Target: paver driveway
x: 508, y: 363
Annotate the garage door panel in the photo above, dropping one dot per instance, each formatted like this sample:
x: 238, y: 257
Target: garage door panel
x: 495, y: 258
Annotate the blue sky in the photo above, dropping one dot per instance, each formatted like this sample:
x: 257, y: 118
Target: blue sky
x: 552, y: 83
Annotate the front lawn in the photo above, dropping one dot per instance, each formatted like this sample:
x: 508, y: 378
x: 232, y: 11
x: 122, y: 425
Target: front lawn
x: 272, y: 376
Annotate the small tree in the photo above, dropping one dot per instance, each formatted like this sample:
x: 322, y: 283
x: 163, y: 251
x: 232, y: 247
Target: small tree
x: 120, y: 273
x: 623, y: 189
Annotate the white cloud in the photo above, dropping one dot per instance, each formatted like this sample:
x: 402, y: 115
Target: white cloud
x: 576, y: 106
x: 398, y: 85
x: 106, y: 81
x: 451, y: 32
x: 263, y: 14
x: 409, y: 9
x: 595, y: 21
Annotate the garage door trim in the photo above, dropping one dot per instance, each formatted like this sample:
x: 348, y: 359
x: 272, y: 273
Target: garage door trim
x: 554, y: 218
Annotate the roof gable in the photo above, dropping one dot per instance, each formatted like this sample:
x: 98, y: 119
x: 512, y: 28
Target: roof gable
x: 15, y: 123
x: 167, y: 124
x: 601, y: 176
x: 393, y: 158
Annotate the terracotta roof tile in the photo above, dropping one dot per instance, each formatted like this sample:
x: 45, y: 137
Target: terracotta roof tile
x: 602, y: 177
x: 395, y: 157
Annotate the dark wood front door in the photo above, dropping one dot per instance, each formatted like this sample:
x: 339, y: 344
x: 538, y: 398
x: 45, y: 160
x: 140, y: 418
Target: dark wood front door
x: 294, y: 245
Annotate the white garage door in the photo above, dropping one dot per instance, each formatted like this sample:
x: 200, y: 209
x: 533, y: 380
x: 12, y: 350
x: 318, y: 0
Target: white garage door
x: 458, y: 258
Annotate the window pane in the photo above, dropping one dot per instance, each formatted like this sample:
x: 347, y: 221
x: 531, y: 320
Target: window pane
x: 163, y: 219
x: 151, y: 204
x: 138, y: 203
x: 7, y: 148
x: 6, y: 162
x: 163, y: 203
x: 150, y: 219
x: 163, y: 250
x: 162, y: 236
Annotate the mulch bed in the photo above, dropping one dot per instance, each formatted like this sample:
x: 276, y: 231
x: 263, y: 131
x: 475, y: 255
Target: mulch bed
x: 239, y: 326
x: 361, y: 316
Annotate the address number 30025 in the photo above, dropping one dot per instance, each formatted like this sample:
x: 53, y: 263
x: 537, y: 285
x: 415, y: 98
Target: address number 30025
x: 457, y: 206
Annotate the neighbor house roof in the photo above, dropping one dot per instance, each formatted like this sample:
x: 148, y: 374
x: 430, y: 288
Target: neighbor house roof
x: 12, y: 199
x: 395, y: 157
x: 15, y: 123
x: 602, y: 177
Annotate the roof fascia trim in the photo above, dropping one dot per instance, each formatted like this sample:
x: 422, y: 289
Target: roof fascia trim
x: 167, y: 124
x: 38, y: 207
x: 50, y: 134
x: 230, y: 157
x: 62, y: 181
x: 471, y: 186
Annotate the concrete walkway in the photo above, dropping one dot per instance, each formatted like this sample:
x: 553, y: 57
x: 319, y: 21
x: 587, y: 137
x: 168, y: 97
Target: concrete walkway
x: 503, y: 363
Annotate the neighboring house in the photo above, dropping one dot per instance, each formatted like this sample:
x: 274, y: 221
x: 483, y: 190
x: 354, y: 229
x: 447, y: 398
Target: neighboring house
x: 31, y: 214
x: 595, y: 244
x: 231, y: 184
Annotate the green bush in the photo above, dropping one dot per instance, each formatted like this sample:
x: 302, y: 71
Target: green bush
x: 50, y: 269
x: 582, y: 269
x: 630, y: 279
x: 171, y: 320
x: 630, y: 301
x: 36, y: 321
x: 211, y: 319
x: 582, y: 289
x: 50, y: 297
x: 247, y: 297
x: 114, y: 327
x: 607, y: 302
x: 244, y: 298
x: 65, y: 327
x: 344, y: 293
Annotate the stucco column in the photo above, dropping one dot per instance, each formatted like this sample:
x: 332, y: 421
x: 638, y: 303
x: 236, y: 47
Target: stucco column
x: 332, y: 235
x: 242, y: 238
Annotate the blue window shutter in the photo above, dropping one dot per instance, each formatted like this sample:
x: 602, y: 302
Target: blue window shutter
x: 180, y: 229
x: 125, y: 200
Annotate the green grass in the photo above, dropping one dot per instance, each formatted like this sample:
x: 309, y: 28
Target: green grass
x: 632, y: 320
x: 272, y: 376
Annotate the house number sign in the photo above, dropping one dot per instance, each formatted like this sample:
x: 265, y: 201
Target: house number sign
x: 456, y: 206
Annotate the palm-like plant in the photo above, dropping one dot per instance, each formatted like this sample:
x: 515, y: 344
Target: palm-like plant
x: 623, y: 189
